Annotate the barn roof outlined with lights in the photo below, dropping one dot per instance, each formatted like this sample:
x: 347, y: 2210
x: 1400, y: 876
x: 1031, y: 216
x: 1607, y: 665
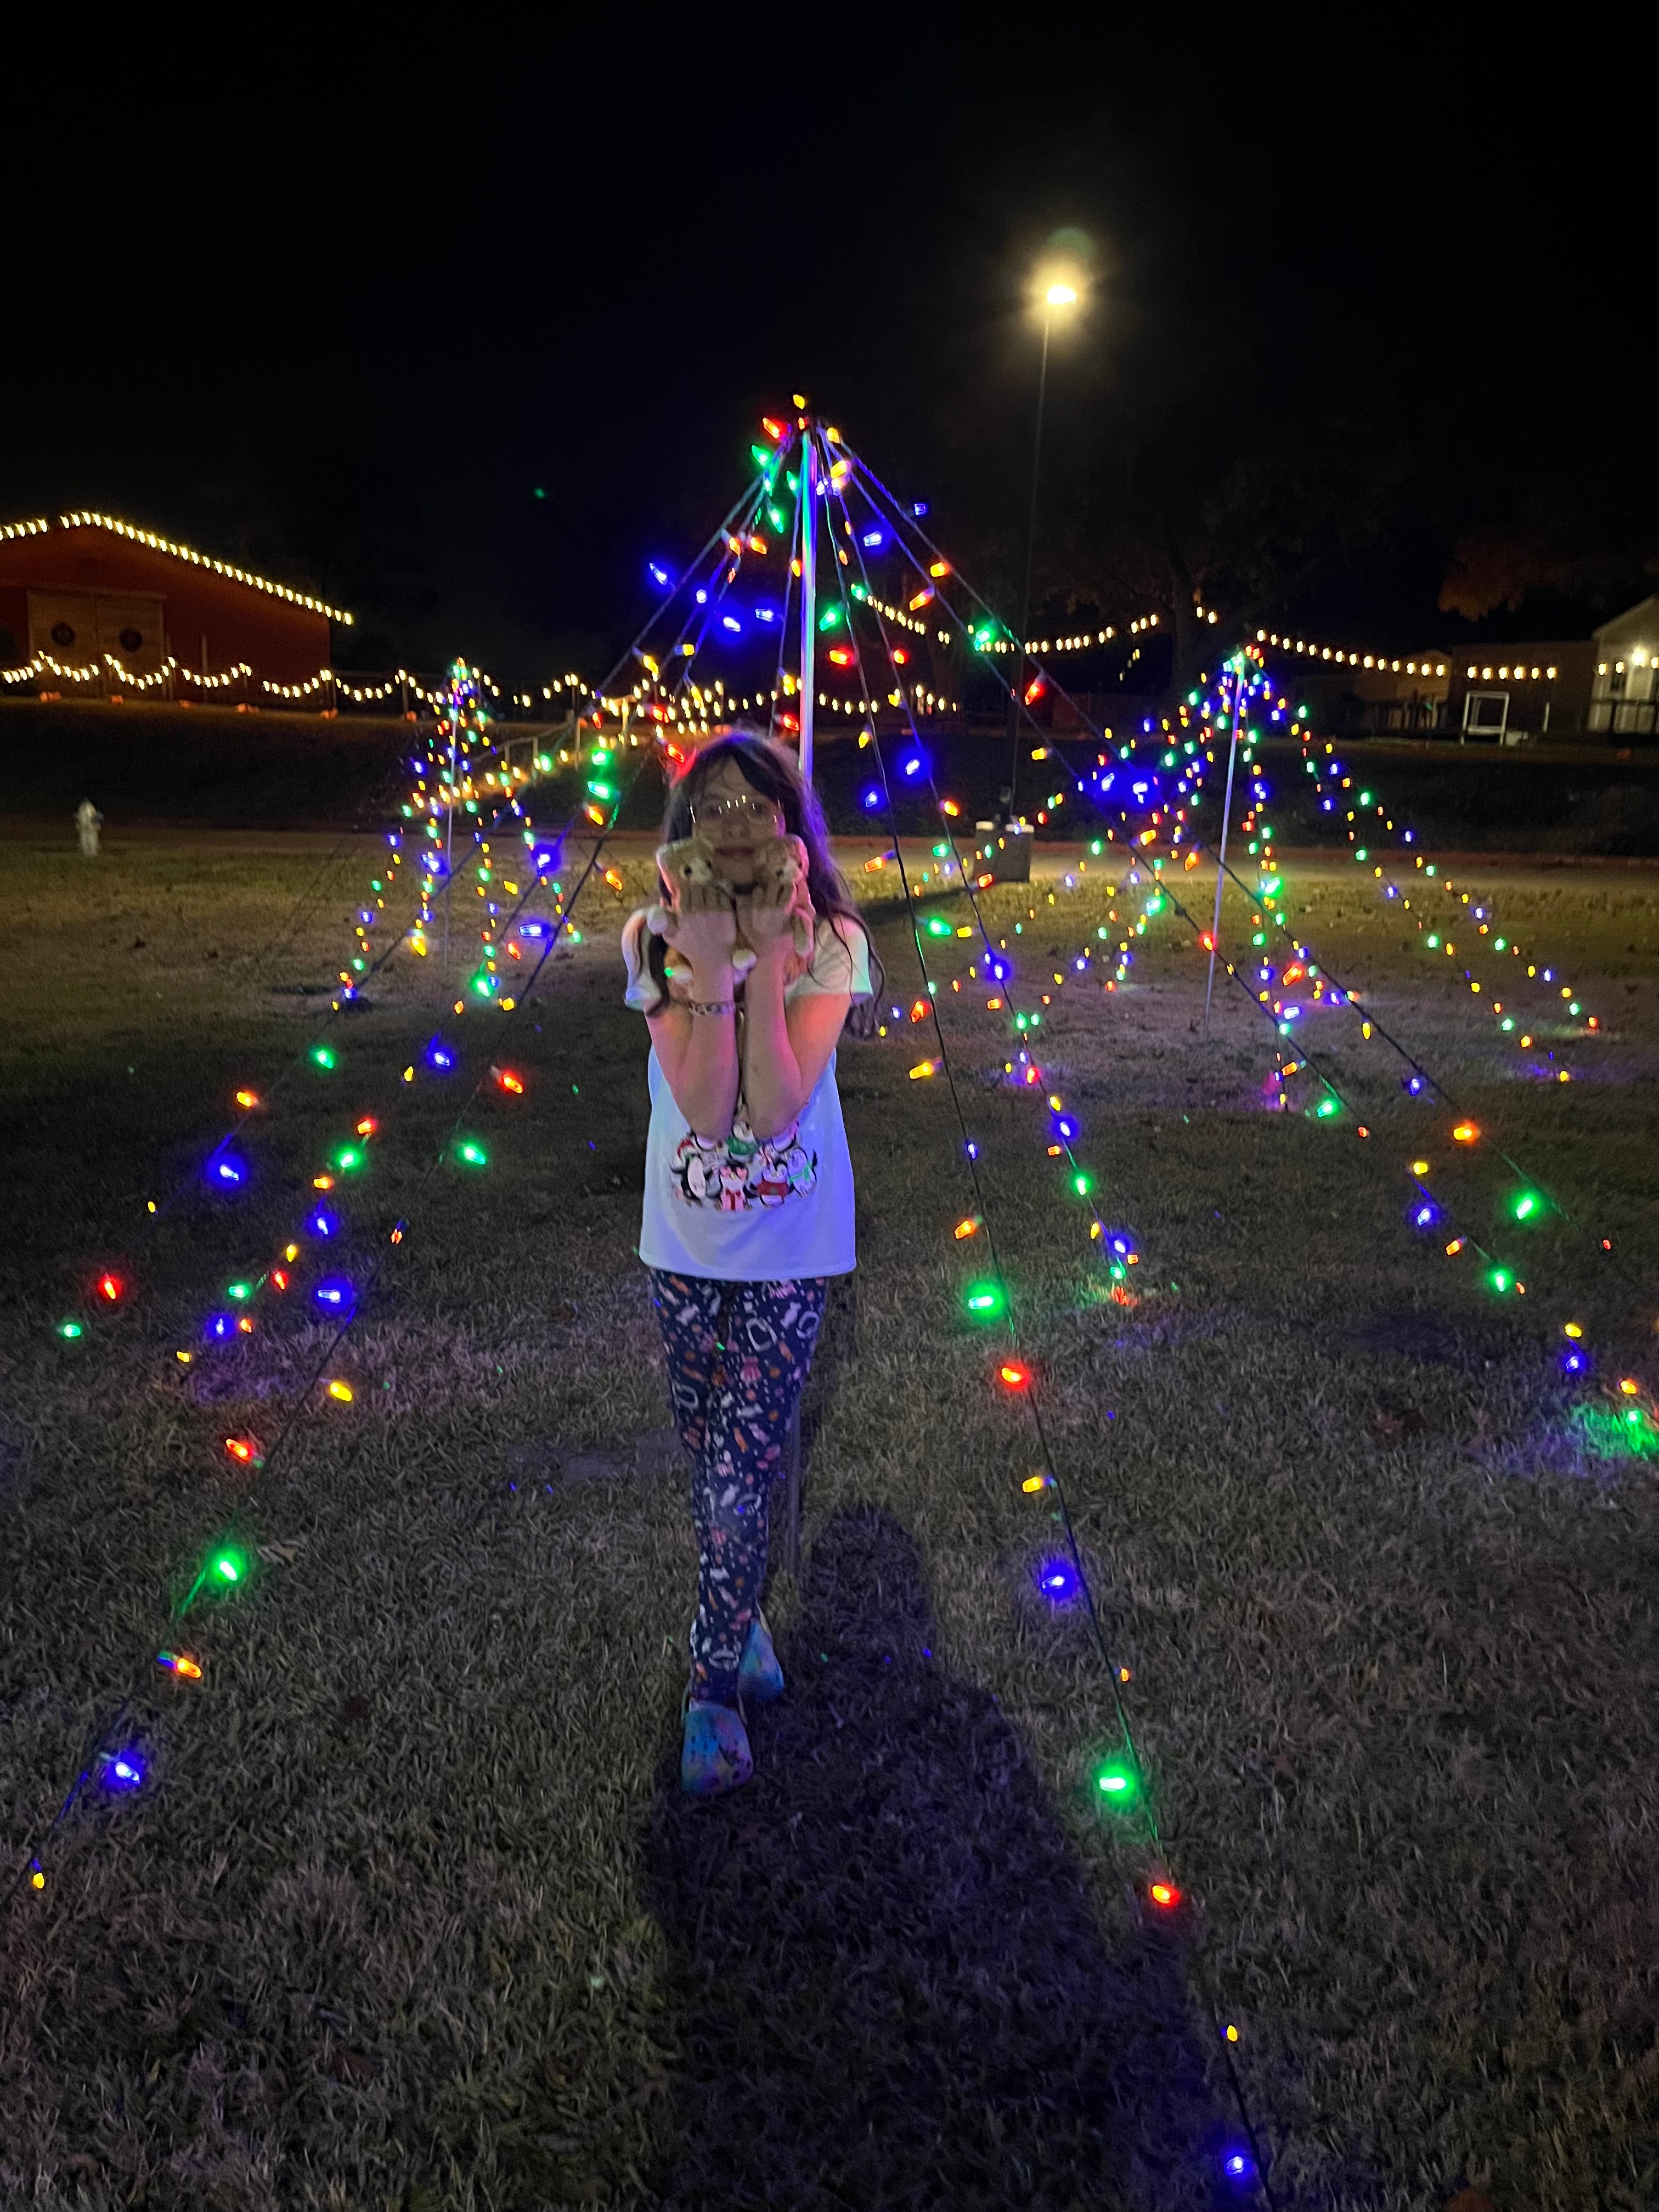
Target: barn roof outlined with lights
x: 99, y: 607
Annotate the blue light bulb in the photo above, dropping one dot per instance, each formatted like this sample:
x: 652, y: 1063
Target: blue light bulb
x: 1057, y: 1580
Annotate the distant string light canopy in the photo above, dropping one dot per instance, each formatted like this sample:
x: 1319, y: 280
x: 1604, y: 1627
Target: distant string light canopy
x: 1350, y: 659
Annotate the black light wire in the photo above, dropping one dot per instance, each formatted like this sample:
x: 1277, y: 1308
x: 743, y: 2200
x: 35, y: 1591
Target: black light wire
x: 971, y: 1153
x: 1246, y: 2118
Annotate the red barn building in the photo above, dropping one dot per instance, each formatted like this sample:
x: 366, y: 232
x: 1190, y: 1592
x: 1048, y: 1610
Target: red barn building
x: 96, y: 607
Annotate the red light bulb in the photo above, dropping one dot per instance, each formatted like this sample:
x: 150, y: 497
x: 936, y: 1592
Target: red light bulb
x: 110, y: 1287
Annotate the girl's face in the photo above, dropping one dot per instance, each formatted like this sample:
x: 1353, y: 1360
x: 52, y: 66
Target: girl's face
x: 734, y: 817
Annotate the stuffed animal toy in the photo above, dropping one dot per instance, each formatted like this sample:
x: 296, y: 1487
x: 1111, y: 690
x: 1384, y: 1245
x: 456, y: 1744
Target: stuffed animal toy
x: 691, y: 861
x: 777, y: 866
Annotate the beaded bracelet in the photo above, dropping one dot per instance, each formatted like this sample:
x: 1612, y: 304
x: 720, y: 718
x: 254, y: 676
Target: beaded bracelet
x: 710, y: 1006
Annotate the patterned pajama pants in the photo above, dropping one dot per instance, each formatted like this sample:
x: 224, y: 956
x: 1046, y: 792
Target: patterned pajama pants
x: 737, y: 1359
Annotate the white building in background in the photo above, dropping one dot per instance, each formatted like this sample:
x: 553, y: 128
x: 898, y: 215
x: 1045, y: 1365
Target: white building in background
x: 1624, y: 693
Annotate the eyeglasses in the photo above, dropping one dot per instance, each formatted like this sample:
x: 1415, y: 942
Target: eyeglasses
x: 746, y: 807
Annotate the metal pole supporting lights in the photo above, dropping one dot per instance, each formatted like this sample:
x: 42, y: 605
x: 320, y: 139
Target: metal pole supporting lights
x: 1057, y: 293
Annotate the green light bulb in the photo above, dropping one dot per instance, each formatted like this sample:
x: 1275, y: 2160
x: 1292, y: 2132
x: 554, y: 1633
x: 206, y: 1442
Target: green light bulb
x: 1117, y: 1783
x: 348, y: 1158
x: 322, y: 1056
x: 1501, y: 1280
x: 69, y: 1330
x: 985, y: 1300
x: 229, y: 1566
x: 1082, y: 1184
x: 1524, y: 1205
x: 474, y: 1154
x: 240, y: 1292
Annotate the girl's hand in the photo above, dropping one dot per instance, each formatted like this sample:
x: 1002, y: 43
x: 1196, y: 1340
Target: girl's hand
x: 703, y: 927
x: 767, y: 915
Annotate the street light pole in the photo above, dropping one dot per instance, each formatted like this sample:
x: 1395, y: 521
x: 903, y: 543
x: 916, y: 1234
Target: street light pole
x: 1017, y: 692
x: 1055, y: 296
x: 809, y: 597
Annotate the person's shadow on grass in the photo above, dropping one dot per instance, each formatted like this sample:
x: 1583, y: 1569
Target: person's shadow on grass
x: 891, y: 1985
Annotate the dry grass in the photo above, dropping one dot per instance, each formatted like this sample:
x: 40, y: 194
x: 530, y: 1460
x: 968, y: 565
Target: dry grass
x: 412, y: 1914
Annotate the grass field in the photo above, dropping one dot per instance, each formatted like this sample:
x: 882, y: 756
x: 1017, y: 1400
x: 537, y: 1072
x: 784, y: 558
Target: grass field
x: 410, y: 1913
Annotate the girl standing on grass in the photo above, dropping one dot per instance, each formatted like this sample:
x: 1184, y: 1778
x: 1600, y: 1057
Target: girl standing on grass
x: 748, y: 1184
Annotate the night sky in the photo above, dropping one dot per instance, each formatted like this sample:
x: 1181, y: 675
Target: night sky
x: 345, y: 317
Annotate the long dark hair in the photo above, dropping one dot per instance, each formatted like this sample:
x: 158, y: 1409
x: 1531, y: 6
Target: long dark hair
x: 773, y: 773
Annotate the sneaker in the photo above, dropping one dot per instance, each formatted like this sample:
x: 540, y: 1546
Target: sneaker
x: 760, y: 1677
x: 715, y: 1756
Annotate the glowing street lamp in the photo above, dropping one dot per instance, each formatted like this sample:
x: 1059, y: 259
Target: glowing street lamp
x: 1059, y: 296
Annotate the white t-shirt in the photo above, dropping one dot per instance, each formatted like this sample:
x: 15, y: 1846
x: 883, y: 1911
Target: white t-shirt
x: 743, y: 1209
